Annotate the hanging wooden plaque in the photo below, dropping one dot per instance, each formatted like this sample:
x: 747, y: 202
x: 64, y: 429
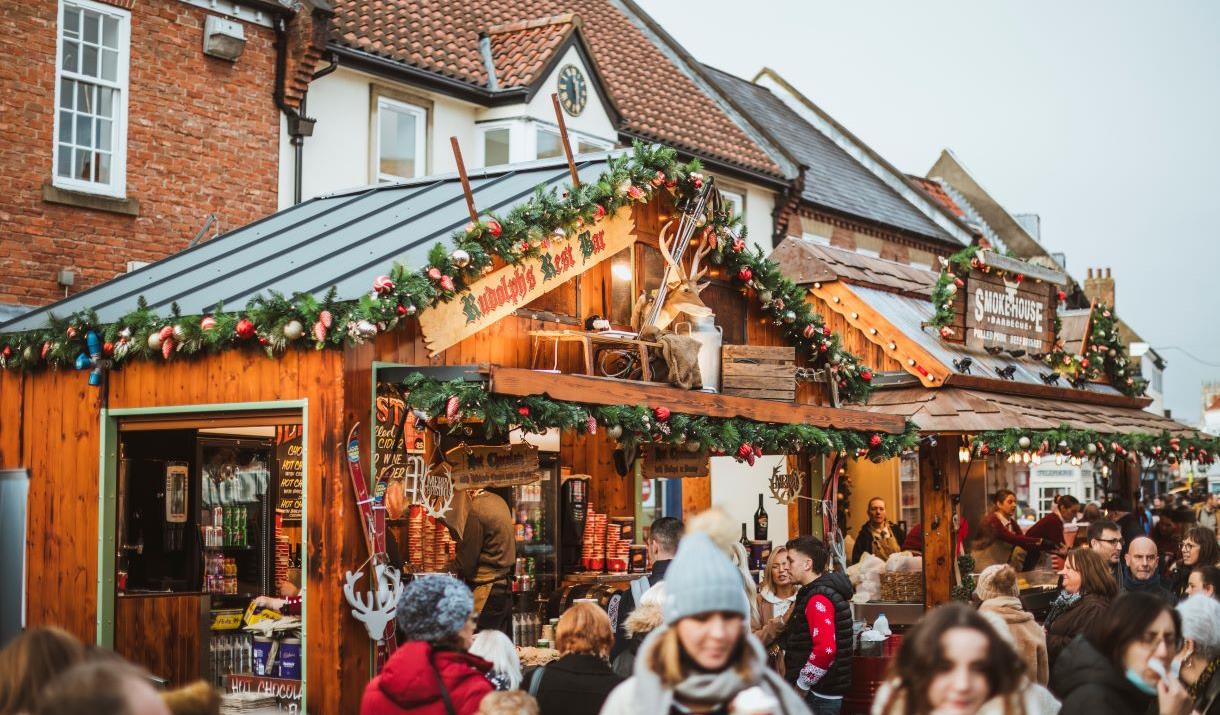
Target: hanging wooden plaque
x: 674, y: 463
x: 500, y: 292
x: 481, y: 466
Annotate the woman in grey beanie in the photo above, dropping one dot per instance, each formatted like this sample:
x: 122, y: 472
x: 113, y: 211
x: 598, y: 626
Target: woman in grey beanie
x: 431, y: 673
x: 704, y: 657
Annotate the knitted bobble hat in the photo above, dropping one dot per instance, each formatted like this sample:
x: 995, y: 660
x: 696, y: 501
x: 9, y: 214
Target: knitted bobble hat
x: 434, y: 608
x: 989, y: 586
x: 701, y: 579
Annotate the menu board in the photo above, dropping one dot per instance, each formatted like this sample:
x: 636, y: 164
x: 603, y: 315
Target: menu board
x: 291, y: 470
x: 390, y: 455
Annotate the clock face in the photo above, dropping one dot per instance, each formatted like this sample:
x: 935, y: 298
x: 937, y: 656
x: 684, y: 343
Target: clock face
x: 573, y: 93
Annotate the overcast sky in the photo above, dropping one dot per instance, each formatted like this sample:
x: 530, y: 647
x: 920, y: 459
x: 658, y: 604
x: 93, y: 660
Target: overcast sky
x: 1102, y: 117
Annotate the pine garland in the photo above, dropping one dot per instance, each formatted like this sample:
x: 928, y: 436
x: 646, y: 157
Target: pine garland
x: 1066, y: 442
x: 947, y: 285
x: 275, y: 322
x: 740, y: 438
x: 1105, y: 357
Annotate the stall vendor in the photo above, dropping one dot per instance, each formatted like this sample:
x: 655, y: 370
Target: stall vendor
x: 1000, y: 536
x: 877, y: 536
x: 1050, y: 527
x: 486, y: 553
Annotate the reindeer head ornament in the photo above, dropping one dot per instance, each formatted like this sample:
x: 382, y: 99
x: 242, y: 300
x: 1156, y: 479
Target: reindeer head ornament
x: 680, y: 294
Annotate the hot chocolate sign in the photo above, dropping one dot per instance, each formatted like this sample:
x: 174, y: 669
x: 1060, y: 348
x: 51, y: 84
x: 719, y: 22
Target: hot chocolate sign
x: 500, y: 292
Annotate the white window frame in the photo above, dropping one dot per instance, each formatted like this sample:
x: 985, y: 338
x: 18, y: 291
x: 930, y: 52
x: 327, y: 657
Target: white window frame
x: 574, y: 137
x: 117, y: 186
x: 421, y: 138
x: 738, y: 197
x: 517, y: 149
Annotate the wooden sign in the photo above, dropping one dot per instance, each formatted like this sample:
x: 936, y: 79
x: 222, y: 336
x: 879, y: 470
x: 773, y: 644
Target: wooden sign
x: 1011, y: 314
x: 291, y: 468
x: 670, y: 463
x: 481, y: 466
x: 500, y: 292
x: 287, y: 692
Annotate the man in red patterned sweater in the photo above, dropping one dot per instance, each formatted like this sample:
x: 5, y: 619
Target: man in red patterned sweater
x: 817, y: 655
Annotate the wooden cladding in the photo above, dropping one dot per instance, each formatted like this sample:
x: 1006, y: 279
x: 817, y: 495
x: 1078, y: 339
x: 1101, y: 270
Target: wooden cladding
x: 759, y: 372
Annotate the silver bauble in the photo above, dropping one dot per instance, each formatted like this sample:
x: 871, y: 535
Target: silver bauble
x: 179, y: 332
x: 693, y: 445
x: 790, y: 317
x: 460, y: 258
x: 614, y: 431
x: 1023, y: 442
x: 154, y: 341
x: 764, y: 296
x: 293, y: 329
x: 366, y: 329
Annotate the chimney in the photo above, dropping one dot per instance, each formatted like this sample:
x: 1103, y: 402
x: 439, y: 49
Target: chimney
x: 1099, y: 287
x: 1032, y: 223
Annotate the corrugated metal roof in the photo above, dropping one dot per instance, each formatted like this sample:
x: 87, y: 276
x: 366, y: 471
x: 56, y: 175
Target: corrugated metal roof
x: 909, y: 315
x: 344, y: 240
x: 833, y: 178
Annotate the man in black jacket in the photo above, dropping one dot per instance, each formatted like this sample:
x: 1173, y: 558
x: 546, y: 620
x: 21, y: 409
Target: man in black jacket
x: 817, y: 652
x: 663, y: 538
x: 878, y: 536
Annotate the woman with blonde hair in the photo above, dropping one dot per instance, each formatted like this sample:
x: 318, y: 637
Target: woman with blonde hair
x: 579, y: 682
x: 776, y: 594
x: 704, y: 657
x: 997, y: 589
x: 30, y: 661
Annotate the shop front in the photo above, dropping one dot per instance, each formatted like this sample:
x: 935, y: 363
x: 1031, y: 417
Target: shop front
x: 506, y: 383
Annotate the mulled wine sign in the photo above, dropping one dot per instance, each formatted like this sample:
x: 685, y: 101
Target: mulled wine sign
x: 502, y: 291
x: 674, y: 463
x: 481, y: 466
x: 1010, y: 304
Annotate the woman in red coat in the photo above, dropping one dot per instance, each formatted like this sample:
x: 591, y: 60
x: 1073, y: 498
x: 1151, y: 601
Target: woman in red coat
x: 999, y: 534
x: 431, y: 673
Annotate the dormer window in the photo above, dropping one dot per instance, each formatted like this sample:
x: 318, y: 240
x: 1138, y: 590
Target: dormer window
x: 509, y: 141
x: 401, y: 140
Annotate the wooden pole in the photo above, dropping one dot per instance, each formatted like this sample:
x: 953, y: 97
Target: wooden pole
x: 563, y: 136
x: 938, y: 469
x: 457, y: 155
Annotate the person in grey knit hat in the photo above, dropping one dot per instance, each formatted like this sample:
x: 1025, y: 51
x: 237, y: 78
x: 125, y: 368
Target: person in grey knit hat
x: 704, y: 655
x: 432, y: 667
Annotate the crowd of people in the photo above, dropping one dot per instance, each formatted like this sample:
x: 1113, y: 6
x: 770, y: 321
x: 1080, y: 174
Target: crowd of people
x: 1133, y: 630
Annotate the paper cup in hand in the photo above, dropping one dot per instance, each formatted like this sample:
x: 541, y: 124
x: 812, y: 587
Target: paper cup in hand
x: 754, y: 701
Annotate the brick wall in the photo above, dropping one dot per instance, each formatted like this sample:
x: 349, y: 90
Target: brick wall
x: 202, y: 137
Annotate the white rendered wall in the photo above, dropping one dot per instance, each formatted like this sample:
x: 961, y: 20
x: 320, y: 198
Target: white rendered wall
x: 736, y: 486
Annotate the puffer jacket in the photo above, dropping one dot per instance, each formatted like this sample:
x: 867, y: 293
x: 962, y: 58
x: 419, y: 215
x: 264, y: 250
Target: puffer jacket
x: 798, y: 642
x: 1062, y: 627
x: 1086, y: 682
x: 408, y: 683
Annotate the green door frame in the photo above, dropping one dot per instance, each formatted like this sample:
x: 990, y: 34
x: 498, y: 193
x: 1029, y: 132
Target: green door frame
x: 107, y: 504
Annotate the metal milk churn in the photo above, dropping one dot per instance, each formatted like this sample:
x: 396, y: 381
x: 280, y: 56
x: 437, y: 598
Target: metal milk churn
x: 710, y: 337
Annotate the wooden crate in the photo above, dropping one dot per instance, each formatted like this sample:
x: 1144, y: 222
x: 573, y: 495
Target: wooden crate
x: 765, y: 373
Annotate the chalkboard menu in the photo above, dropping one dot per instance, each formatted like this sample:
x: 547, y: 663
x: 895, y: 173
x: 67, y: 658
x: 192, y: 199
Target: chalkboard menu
x: 392, y: 449
x: 291, y: 469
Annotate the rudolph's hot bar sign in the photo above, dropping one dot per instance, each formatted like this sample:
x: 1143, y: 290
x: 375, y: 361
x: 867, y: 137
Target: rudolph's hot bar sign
x: 500, y: 292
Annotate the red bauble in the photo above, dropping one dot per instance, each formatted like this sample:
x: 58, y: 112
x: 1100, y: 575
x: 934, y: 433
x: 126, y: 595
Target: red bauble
x: 662, y: 413
x: 262, y: 340
x: 984, y: 449
x: 745, y: 450
x: 826, y: 332
x: 244, y: 329
x: 1061, y: 296
x: 866, y: 375
x: 401, y: 310
x: 875, y: 440
x: 745, y: 274
x: 494, y: 228
x: 107, y: 348
x: 1020, y: 277
x: 810, y: 330
x: 524, y: 411
x: 7, y: 352
x: 823, y: 347
x: 739, y: 245
x: 599, y: 212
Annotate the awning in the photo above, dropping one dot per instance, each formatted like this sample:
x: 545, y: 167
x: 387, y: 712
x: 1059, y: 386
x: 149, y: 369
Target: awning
x: 607, y: 391
x: 955, y: 409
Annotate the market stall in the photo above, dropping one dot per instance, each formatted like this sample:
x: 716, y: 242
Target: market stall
x: 979, y: 357
x: 408, y: 334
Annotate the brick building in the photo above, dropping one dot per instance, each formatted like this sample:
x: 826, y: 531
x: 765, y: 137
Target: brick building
x: 128, y: 123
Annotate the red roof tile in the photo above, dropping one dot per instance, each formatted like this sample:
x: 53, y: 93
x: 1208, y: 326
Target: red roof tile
x: 521, y: 50
x: 658, y: 101
x: 936, y: 191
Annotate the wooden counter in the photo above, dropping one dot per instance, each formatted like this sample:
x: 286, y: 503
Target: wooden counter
x: 166, y: 633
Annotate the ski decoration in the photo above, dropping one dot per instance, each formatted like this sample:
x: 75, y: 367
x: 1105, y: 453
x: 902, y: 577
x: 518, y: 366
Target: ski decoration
x: 372, y: 516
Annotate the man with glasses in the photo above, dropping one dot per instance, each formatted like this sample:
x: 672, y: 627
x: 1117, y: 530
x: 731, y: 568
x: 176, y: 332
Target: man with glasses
x: 1141, y: 571
x: 1105, y: 538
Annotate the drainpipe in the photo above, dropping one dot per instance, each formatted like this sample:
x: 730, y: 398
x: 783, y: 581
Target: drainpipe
x: 299, y: 125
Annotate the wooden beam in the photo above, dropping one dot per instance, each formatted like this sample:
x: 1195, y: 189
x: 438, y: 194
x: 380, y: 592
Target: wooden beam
x: 461, y: 166
x: 1049, y: 392
x: 563, y: 137
x: 938, y: 472
x: 1016, y: 265
x: 607, y: 391
x: 877, y: 329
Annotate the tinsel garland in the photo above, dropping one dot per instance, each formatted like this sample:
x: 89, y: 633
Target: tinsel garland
x: 1067, y: 442
x: 277, y: 322
x: 740, y: 438
x: 1104, y: 356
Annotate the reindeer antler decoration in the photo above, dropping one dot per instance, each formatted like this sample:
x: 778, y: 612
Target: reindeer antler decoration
x: 375, y: 609
x: 679, y: 293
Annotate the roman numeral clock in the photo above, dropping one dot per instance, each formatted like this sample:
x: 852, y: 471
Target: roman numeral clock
x: 573, y: 92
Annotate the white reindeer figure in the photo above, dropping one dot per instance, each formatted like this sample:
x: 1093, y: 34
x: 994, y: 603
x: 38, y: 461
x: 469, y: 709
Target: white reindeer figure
x: 681, y: 292
x: 375, y: 609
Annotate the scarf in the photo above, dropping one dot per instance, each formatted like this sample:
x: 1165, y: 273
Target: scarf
x: 1060, y: 605
x: 884, y: 542
x: 1131, y: 583
x: 652, y: 696
x: 1200, y: 687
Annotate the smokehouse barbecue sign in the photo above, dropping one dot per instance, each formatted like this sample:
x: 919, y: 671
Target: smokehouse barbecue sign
x: 1014, y: 311
x: 506, y: 289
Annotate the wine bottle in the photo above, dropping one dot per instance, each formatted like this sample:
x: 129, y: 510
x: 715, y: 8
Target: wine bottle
x: 760, y: 521
x: 745, y: 540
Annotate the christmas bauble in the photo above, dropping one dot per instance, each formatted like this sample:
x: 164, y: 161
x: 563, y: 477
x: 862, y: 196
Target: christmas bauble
x: 293, y: 329
x: 154, y: 341
x: 383, y: 285
x: 365, y: 329
x: 460, y: 258
x: 790, y: 317
x: 523, y: 410
x: 951, y: 288
x: 623, y: 186
x: 614, y: 431
x: 764, y: 296
x: 244, y: 329
x: 875, y: 440
x: 693, y: 445
x: 745, y: 274
x: 179, y: 332
x: 662, y: 413
x: 207, y: 323
x: 28, y: 354
x: 1023, y: 442
x: 866, y: 375
x: 494, y: 228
